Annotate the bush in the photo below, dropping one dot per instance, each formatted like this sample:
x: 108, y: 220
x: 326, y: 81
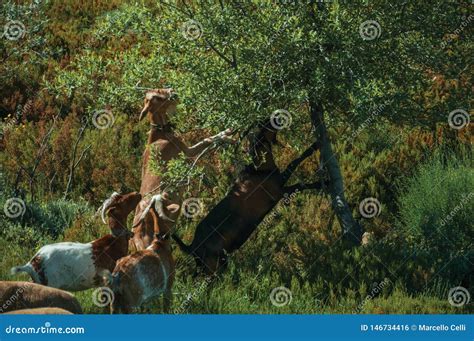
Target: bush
x: 39, y: 221
x: 53, y: 217
x: 436, y: 214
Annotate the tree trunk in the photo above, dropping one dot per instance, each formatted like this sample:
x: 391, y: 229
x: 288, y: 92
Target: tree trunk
x: 352, y: 231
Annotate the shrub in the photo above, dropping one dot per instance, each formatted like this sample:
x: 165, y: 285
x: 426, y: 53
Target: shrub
x: 40, y: 220
x: 436, y: 214
x: 53, y: 217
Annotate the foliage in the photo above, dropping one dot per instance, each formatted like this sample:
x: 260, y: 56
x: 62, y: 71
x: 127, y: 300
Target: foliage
x: 436, y: 215
x: 47, y: 220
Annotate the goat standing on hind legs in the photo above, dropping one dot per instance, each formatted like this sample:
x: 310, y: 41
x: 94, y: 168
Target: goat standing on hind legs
x: 159, y: 104
x: 259, y: 187
x: 145, y: 274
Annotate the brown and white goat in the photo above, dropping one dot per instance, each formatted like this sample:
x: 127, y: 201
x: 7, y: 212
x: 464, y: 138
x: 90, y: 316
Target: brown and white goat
x: 76, y: 266
x: 145, y: 274
x: 159, y: 105
x: 25, y: 295
x: 259, y: 187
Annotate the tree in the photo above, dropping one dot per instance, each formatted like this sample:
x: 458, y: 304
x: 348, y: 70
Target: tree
x: 318, y: 65
x: 334, y: 61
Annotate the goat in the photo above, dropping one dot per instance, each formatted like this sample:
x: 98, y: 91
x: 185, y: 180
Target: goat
x: 76, y: 266
x: 144, y: 274
x: 40, y: 311
x: 26, y: 295
x: 159, y: 104
x: 257, y: 190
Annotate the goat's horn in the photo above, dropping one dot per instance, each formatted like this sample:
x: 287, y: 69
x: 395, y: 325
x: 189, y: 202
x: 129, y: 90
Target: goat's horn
x: 156, y: 200
x: 106, y: 205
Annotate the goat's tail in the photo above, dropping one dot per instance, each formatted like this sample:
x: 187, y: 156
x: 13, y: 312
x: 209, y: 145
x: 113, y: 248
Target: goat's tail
x: 110, y: 280
x: 185, y: 248
x: 28, y: 269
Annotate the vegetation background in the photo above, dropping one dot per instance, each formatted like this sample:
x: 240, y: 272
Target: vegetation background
x: 387, y: 100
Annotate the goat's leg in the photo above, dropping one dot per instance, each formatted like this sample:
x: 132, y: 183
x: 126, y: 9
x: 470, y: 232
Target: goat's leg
x: 213, y: 257
x: 222, y: 262
x: 211, y: 263
x: 302, y: 186
x: 290, y: 169
x: 198, y: 148
x: 199, y: 266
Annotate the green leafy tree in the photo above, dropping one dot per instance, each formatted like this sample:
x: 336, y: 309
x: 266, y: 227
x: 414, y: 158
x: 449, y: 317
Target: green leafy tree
x: 327, y: 64
x: 319, y: 65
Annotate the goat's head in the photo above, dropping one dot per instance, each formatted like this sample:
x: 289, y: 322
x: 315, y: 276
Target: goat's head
x: 264, y: 137
x: 158, y: 104
x: 120, y: 205
x: 267, y: 133
x: 260, y: 147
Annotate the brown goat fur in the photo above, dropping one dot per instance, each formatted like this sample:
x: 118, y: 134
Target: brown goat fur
x: 158, y: 105
x: 25, y: 295
x: 258, y: 189
x: 40, y: 311
x: 144, y: 274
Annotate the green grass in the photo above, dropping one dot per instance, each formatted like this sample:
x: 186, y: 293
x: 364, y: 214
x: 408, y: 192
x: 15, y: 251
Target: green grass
x: 241, y: 291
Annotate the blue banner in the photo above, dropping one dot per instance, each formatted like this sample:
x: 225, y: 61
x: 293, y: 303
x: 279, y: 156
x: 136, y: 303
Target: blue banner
x: 237, y: 327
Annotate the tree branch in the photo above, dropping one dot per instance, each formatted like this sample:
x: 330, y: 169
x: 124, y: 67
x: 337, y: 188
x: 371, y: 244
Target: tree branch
x: 73, y: 160
x: 232, y: 62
